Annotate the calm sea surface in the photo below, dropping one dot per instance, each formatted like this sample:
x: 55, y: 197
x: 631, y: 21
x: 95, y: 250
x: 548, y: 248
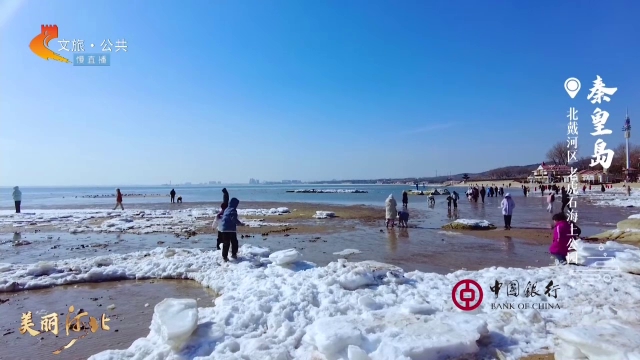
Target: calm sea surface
x: 529, y: 212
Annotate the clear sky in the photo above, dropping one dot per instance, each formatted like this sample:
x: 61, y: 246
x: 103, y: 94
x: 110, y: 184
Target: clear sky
x: 309, y: 90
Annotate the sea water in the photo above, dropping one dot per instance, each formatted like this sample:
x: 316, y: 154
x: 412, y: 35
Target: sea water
x: 39, y: 197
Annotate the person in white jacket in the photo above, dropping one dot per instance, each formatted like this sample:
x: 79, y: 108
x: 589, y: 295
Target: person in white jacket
x: 507, y: 205
x: 391, y: 207
x: 17, y: 198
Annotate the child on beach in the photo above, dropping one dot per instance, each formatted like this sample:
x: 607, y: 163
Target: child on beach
x: 403, y: 218
x: 223, y: 207
x: 405, y: 199
x: 449, y: 200
x: 561, y: 237
x: 228, y: 227
x: 118, y: 200
x: 216, y: 224
x: 391, y: 211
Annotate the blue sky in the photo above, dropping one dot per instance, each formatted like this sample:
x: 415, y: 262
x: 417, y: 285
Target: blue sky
x: 310, y: 90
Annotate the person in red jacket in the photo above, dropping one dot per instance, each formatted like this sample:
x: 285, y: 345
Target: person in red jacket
x: 561, y: 237
x: 118, y: 200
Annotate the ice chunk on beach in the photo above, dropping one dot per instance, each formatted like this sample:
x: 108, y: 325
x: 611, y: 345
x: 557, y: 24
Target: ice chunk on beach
x: 422, y: 337
x: 605, y: 341
x: 284, y: 257
x: 324, y: 214
x: 175, y: 320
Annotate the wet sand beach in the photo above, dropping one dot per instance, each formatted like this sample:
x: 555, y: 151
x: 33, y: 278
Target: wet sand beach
x: 129, y: 320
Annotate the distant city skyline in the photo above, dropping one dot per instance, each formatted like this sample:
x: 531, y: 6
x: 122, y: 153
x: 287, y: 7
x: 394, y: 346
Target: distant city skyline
x: 306, y: 90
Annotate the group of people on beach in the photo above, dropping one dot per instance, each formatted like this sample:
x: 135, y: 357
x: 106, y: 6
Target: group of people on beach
x: 391, y: 210
x: 475, y: 192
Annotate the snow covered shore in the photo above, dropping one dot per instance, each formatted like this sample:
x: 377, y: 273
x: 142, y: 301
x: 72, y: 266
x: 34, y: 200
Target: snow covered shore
x: 129, y: 221
x: 364, y: 310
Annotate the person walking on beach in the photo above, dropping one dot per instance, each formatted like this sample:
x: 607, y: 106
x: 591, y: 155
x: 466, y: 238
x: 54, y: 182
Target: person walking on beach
x: 391, y: 211
x: 561, y: 237
x: 483, y: 192
x: 602, y: 187
x: 507, y: 205
x: 173, y: 195
x: 405, y: 199
x: 228, y: 227
x: 118, y: 200
x: 455, y: 198
x: 449, y: 200
x: 17, y: 198
x: 550, y: 200
x: 565, y: 199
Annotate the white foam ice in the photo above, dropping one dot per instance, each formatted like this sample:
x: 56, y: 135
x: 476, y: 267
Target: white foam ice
x: 347, y: 310
x: 449, y: 233
x: 613, y: 197
x: 347, y: 252
x: 324, y: 214
x: 473, y: 222
x: 604, y: 340
x: 130, y: 221
x: 330, y: 191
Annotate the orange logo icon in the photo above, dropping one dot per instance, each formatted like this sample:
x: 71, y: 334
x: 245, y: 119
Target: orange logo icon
x: 40, y: 44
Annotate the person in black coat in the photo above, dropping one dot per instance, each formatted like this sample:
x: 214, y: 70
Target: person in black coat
x: 173, y: 195
x: 225, y: 197
x: 405, y: 199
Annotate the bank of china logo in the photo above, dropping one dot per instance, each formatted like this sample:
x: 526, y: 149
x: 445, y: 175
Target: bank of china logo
x: 40, y: 44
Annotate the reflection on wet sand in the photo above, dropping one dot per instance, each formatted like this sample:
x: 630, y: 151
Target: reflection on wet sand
x: 393, y: 241
x: 508, y: 245
x: 404, y: 233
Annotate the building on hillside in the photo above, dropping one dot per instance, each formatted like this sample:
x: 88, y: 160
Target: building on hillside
x: 549, y: 173
x: 590, y: 177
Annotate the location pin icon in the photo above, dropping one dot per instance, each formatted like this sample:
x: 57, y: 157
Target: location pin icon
x: 572, y: 85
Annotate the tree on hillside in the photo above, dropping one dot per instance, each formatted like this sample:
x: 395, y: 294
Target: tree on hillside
x: 465, y: 177
x: 558, y: 154
x: 620, y: 158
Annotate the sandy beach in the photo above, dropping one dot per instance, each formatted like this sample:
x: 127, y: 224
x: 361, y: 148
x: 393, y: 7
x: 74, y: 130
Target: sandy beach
x: 148, y: 242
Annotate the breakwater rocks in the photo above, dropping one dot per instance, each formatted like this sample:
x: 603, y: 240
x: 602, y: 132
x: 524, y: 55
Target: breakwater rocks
x: 123, y: 195
x: 328, y: 191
